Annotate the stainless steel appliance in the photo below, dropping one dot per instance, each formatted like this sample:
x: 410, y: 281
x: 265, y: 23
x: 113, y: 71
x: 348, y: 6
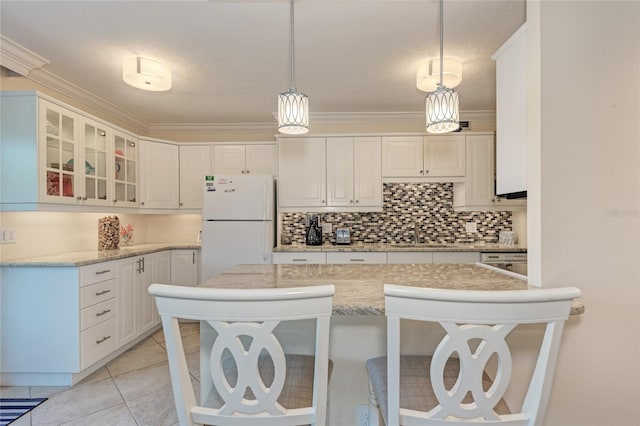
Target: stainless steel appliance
x: 514, y: 262
x: 313, y: 230
x: 343, y: 236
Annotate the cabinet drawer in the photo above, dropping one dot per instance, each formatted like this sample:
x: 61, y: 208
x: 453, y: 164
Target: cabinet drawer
x: 97, y: 313
x: 97, y: 342
x: 418, y: 257
x: 356, y: 257
x: 96, y: 273
x: 300, y: 257
x: 96, y: 293
x: 456, y: 257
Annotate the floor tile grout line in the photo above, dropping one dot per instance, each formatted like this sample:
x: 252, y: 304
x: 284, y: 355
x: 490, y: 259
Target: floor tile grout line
x: 126, y: 403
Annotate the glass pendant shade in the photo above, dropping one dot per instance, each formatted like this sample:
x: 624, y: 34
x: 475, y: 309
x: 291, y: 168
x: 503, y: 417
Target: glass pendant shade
x: 442, y: 111
x: 293, y: 112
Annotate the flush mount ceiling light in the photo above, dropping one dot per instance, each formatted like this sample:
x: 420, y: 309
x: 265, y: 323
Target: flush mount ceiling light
x: 442, y: 105
x: 428, y: 75
x: 293, y: 106
x: 146, y: 74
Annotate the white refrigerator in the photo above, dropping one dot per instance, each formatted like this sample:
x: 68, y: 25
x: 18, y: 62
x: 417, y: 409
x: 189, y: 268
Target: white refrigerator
x: 237, y: 222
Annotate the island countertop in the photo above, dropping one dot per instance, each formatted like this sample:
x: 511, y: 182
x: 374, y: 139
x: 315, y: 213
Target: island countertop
x: 360, y: 288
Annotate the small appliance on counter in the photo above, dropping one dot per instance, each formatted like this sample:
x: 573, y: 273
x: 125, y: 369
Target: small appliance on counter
x: 343, y: 236
x: 313, y: 230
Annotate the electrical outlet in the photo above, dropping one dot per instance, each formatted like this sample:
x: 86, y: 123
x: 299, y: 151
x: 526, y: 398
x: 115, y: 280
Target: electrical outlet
x: 327, y: 228
x: 472, y: 227
x: 363, y: 415
x: 8, y: 235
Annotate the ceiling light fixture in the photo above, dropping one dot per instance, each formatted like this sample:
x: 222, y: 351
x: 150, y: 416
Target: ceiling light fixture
x: 293, y: 106
x: 442, y: 105
x: 428, y: 75
x: 146, y: 74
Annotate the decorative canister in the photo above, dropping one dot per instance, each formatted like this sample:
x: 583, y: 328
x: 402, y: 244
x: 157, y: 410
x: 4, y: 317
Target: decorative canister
x: 108, y: 233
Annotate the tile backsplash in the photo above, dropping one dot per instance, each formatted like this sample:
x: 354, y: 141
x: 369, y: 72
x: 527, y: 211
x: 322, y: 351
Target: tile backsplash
x: 429, y: 206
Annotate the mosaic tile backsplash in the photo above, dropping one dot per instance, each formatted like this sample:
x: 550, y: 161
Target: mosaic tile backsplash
x: 429, y: 206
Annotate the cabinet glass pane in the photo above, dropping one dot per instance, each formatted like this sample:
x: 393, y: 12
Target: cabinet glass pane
x: 131, y: 193
x: 120, y: 171
x: 119, y: 146
x: 67, y: 185
x: 120, y: 192
x: 131, y: 171
x: 101, y: 140
x: 53, y: 183
x: 53, y: 153
x: 101, y: 164
x: 89, y: 136
x: 53, y: 123
x: 67, y: 128
x: 89, y: 161
x: 131, y: 150
x: 67, y: 156
x: 102, y: 189
x: 90, y: 188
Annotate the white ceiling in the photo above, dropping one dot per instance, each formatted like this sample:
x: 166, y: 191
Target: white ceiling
x: 230, y: 59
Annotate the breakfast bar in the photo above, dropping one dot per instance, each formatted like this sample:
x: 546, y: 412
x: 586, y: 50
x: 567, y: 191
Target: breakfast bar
x: 358, y: 324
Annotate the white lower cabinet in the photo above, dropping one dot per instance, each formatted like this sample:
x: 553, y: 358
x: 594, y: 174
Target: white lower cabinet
x: 299, y: 257
x: 355, y: 257
x: 184, y: 267
x: 417, y: 257
x: 456, y: 257
x: 136, y: 311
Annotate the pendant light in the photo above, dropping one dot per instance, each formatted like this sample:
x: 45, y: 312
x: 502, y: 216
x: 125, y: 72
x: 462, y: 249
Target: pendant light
x: 442, y: 105
x: 293, y: 106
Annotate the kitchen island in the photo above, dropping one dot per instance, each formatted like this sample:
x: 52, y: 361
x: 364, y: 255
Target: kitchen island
x: 358, y: 325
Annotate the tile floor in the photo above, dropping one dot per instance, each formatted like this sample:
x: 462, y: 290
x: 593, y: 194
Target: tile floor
x: 133, y: 389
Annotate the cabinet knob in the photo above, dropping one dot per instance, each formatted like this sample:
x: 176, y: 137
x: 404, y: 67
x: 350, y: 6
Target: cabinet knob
x: 84, y: 198
x: 357, y: 201
x: 242, y: 171
x: 78, y: 198
x: 181, y: 204
x: 142, y: 203
x: 115, y: 201
x: 421, y: 172
x: 323, y: 201
x: 247, y: 171
x: 351, y: 201
x: 426, y: 172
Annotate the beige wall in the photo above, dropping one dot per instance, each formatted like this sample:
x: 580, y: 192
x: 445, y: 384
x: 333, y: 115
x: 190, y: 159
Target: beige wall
x: 584, y: 217
x: 48, y: 233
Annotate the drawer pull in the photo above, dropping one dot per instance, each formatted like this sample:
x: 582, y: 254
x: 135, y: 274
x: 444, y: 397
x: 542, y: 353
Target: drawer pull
x: 103, y: 339
x: 106, y: 311
x: 100, y: 293
x: 299, y: 260
x: 356, y: 260
x: 104, y: 271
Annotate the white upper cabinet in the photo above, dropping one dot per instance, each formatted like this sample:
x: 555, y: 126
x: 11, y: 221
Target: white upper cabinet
x: 195, y: 164
x: 258, y: 159
x: 423, y: 156
x: 477, y: 192
x: 126, y: 170
x: 353, y: 172
x: 56, y: 154
x: 160, y: 175
x: 302, y: 172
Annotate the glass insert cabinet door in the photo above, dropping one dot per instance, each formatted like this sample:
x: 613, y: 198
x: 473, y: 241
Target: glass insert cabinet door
x: 126, y: 170
x: 95, y: 162
x: 60, y: 136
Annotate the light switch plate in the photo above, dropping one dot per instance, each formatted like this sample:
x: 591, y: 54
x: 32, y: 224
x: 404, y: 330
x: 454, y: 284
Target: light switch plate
x: 471, y: 227
x: 7, y: 235
x: 327, y: 228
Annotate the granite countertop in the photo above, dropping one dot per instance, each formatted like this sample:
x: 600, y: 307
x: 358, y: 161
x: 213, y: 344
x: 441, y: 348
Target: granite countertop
x: 373, y: 247
x: 360, y: 288
x: 82, y: 258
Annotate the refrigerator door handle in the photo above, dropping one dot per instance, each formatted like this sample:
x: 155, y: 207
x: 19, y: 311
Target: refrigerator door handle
x: 265, y: 253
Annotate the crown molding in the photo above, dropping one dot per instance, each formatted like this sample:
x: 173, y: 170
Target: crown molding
x: 18, y: 58
x: 70, y: 90
x: 201, y: 128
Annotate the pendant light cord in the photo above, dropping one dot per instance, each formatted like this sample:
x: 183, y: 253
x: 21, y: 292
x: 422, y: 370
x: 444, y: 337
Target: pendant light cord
x: 441, y: 38
x: 293, y: 80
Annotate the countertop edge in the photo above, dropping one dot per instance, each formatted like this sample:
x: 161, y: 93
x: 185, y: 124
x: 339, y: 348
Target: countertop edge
x: 90, y: 257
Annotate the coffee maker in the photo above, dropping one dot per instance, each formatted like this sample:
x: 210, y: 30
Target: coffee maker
x: 313, y: 230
